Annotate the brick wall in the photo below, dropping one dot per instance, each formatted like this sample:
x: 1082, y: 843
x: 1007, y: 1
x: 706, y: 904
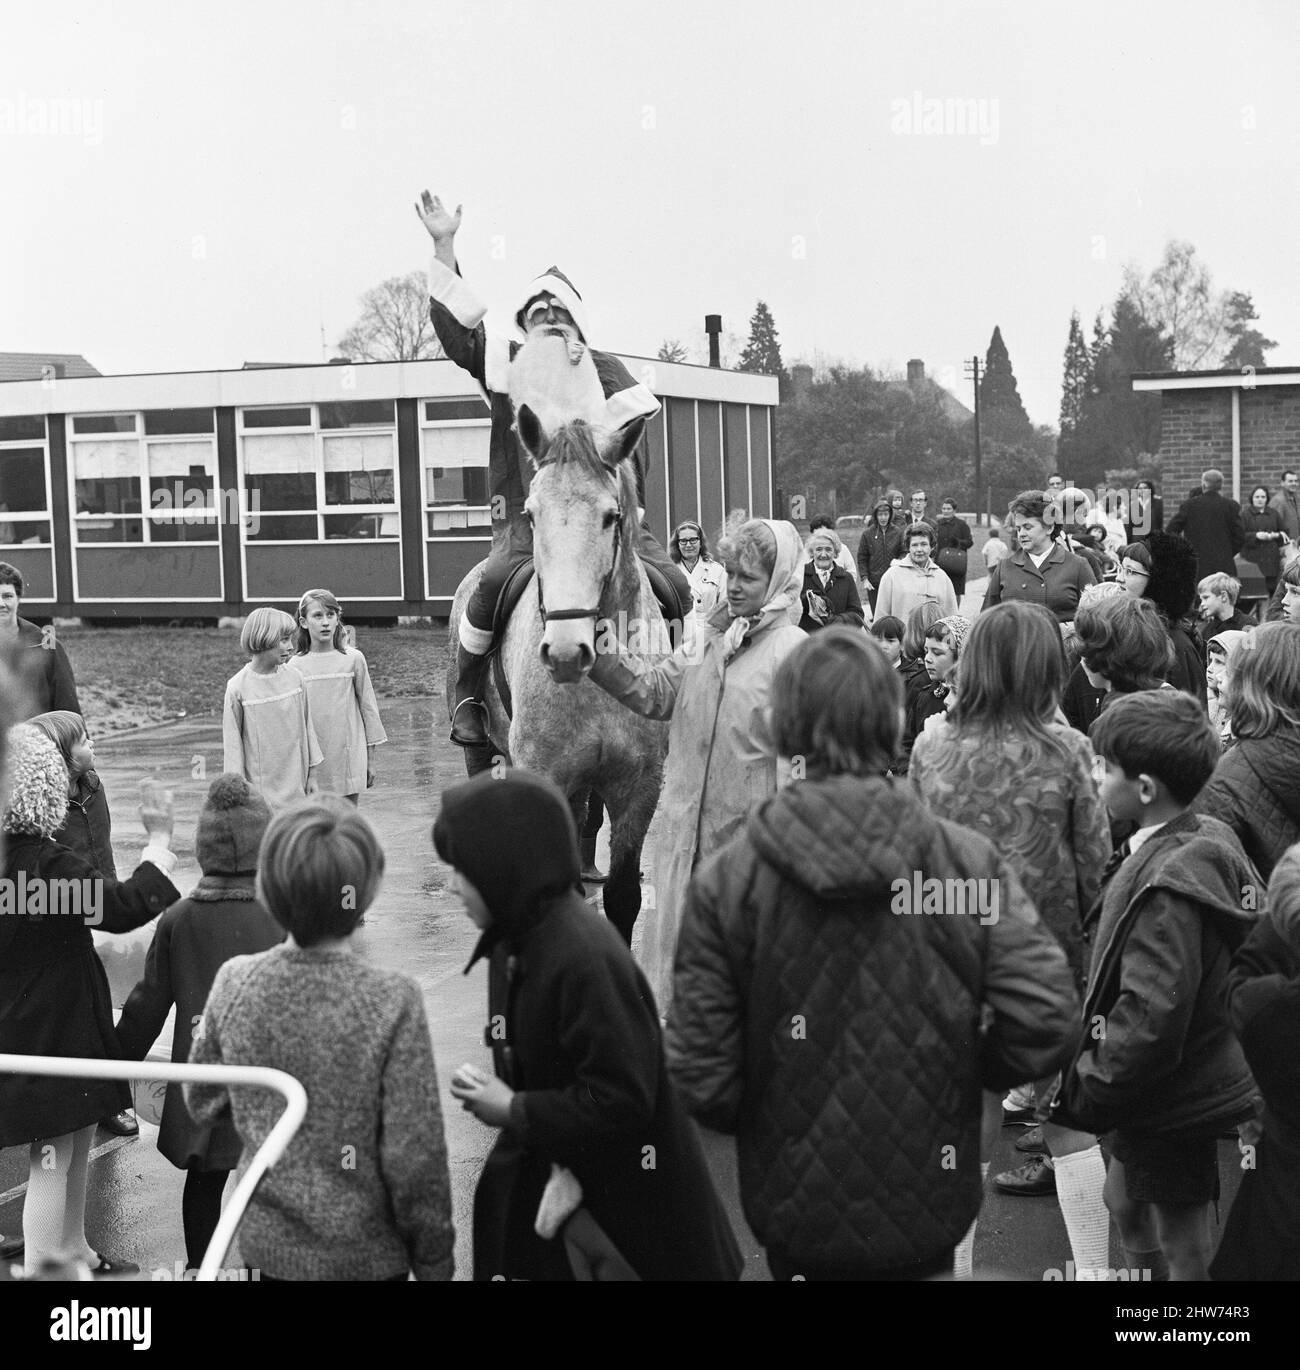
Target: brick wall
x: 1196, y: 433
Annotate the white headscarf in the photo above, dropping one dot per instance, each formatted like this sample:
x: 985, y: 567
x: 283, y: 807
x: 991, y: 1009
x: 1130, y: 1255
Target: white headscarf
x: 783, y: 587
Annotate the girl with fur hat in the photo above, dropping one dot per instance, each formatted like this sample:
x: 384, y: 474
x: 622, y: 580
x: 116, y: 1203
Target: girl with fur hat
x: 580, y: 1092
x: 54, y: 995
x: 714, y: 691
x: 943, y: 641
x: 220, y: 918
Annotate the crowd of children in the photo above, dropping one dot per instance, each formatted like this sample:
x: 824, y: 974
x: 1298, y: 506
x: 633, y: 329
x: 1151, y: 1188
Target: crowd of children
x: 1133, y: 858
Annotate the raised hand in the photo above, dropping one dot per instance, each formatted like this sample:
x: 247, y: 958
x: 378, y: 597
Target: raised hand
x: 440, y: 222
x: 157, y: 811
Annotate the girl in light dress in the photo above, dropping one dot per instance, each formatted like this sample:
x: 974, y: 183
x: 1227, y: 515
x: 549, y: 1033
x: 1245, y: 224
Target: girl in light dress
x: 267, y: 725
x: 343, y: 707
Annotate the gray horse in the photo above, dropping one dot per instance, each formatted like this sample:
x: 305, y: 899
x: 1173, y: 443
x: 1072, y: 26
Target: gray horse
x: 595, y: 592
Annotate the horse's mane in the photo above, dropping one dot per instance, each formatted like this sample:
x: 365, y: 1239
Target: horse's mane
x: 575, y: 445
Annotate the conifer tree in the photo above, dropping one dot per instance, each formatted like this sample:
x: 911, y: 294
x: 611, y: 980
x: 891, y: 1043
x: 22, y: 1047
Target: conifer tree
x: 1001, y: 410
x: 1075, y: 384
x: 763, y: 350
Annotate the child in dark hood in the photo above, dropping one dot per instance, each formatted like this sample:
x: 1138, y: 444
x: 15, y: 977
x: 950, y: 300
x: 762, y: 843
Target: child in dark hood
x: 581, y: 1091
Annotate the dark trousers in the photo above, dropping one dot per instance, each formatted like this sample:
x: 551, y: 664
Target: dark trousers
x: 201, y: 1210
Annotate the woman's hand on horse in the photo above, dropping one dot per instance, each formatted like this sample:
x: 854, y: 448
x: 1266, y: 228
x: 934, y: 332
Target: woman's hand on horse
x: 440, y: 222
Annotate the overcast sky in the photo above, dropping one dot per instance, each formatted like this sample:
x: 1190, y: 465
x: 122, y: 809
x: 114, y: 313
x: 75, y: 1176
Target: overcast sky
x: 229, y: 178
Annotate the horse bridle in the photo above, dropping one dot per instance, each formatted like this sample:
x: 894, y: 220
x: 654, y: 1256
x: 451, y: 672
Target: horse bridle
x: 604, y: 584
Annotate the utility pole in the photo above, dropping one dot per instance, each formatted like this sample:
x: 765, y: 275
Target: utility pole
x: 973, y: 373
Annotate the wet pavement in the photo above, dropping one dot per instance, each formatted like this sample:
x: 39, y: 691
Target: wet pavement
x: 416, y: 927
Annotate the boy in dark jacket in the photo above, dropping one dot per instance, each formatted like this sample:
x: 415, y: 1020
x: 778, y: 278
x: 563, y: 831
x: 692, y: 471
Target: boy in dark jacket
x: 851, y: 973
x: 1158, y: 1065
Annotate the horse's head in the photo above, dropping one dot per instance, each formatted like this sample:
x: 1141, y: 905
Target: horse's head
x: 582, y: 505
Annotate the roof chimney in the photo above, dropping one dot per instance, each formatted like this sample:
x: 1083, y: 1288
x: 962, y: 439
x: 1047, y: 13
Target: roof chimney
x: 713, y: 327
x: 915, y: 371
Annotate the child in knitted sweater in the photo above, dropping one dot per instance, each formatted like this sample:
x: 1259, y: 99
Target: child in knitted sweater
x: 363, y: 1192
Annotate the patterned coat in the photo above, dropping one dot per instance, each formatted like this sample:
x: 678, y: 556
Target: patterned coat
x: 1040, y: 809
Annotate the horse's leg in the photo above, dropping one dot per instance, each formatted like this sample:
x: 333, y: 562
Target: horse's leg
x: 630, y: 810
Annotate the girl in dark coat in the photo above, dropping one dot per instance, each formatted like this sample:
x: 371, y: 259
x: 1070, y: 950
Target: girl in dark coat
x: 581, y: 1090
x: 221, y: 918
x: 88, y: 827
x: 54, y: 996
x: 880, y: 546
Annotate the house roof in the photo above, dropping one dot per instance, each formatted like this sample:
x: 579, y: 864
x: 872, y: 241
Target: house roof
x: 953, y: 409
x: 30, y: 366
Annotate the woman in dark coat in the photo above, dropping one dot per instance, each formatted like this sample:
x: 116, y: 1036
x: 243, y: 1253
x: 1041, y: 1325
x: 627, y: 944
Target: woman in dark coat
x: 880, y: 546
x: 829, y: 594
x: 1264, y: 536
x: 1042, y: 569
x: 581, y: 1092
x: 54, y: 996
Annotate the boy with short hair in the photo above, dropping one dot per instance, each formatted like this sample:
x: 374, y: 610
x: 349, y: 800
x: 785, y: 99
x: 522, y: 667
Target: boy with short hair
x: 1158, y: 1065
x: 1218, y: 595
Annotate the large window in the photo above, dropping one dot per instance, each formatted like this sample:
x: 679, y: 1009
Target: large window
x: 314, y: 472
x: 454, y: 462
x: 24, y: 484
x: 146, y: 477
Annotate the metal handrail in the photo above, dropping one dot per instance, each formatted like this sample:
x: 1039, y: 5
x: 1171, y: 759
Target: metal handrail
x: 275, y: 1145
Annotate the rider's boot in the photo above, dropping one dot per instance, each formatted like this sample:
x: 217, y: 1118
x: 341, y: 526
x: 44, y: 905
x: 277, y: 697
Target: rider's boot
x: 468, y: 716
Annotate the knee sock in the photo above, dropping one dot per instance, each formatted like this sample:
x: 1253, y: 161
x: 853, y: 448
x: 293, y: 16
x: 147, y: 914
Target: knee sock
x: 46, y: 1202
x: 963, y: 1255
x: 201, y: 1211
x: 1080, y: 1180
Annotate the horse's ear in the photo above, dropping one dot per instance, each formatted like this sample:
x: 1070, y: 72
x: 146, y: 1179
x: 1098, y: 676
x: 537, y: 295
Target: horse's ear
x: 531, y: 435
x: 624, y: 442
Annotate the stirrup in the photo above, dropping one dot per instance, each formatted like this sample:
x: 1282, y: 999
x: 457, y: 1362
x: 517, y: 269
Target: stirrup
x: 466, y: 737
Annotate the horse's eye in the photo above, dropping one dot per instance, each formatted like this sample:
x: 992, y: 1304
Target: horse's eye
x: 611, y: 519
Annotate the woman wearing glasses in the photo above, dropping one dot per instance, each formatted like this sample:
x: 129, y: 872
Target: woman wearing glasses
x: 689, y: 548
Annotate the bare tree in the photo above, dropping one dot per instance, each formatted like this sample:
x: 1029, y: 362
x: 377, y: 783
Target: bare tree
x: 1179, y: 298
x: 670, y: 350
x: 394, y: 324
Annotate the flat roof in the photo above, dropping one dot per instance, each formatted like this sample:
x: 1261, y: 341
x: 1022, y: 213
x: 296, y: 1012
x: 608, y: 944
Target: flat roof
x: 325, y: 381
x: 1231, y: 378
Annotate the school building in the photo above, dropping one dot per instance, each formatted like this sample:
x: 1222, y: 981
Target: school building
x: 204, y: 494
x: 1245, y: 423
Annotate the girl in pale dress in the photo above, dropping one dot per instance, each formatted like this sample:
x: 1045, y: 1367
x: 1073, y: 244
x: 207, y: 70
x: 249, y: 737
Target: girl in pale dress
x: 267, y: 726
x: 343, y: 707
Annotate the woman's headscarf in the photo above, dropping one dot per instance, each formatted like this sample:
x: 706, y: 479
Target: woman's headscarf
x: 783, y: 588
x: 37, y: 802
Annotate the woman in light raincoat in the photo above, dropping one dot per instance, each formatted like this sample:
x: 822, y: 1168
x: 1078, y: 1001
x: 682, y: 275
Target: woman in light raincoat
x: 715, y: 692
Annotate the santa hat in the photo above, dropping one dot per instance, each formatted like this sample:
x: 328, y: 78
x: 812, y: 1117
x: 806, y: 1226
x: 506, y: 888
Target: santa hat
x: 553, y: 281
